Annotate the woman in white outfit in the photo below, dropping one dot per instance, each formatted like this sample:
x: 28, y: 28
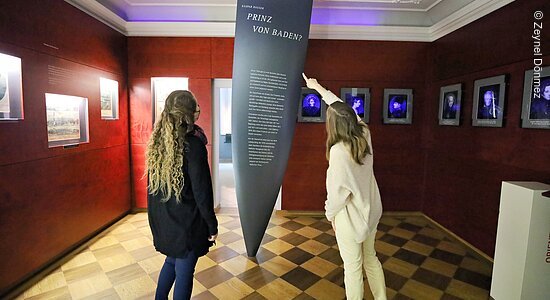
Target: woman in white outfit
x: 353, y: 200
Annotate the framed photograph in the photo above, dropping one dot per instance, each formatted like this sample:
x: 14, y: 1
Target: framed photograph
x: 11, y: 91
x: 109, y: 98
x: 161, y: 87
x: 67, y: 120
x: 536, y: 99
x: 398, y: 106
x: 359, y: 100
x: 312, y: 108
x: 489, y: 98
x: 450, y: 100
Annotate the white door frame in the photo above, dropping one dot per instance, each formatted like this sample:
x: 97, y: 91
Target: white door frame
x: 216, y: 85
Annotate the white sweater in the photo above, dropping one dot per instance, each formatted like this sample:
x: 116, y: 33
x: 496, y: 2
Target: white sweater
x: 352, y: 190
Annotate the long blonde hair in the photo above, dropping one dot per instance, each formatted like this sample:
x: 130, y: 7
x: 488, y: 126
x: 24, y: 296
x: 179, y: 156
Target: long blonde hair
x: 164, y: 154
x: 343, y: 126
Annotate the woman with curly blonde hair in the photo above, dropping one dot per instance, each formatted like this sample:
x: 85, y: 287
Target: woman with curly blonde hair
x: 353, y: 203
x: 180, y: 199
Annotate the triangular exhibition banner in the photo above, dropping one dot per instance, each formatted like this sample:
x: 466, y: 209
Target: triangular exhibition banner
x: 271, y: 39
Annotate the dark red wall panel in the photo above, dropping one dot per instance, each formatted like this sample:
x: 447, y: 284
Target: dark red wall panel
x: 465, y: 165
x: 166, y: 57
x: 50, y: 204
x: 398, y: 158
x: 53, y: 198
x: 222, y: 57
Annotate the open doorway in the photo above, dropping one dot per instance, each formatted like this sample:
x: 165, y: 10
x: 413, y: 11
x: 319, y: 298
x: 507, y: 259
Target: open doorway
x: 222, y: 159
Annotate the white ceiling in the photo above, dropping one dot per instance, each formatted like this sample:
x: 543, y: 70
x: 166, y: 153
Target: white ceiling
x: 396, y: 20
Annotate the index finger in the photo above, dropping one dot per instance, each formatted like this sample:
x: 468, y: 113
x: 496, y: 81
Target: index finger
x: 305, y: 77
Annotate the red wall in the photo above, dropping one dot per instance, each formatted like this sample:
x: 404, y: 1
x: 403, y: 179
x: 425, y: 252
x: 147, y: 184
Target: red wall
x: 53, y: 198
x: 199, y: 59
x: 398, y: 153
x: 465, y: 165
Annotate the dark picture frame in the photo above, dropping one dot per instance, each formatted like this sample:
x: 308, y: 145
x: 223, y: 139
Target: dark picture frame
x: 398, y: 106
x: 11, y: 88
x: 311, y: 107
x: 489, y: 100
x: 535, y: 111
x: 450, y: 104
x: 359, y: 100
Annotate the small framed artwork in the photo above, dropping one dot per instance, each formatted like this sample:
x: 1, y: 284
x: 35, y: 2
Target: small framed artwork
x: 450, y: 98
x: 11, y: 91
x: 67, y: 120
x: 536, y: 99
x: 359, y: 100
x: 489, y: 99
x: 109, y: 98
x: 398, y: 106
x: 161, y: 87
x: 311, y: 107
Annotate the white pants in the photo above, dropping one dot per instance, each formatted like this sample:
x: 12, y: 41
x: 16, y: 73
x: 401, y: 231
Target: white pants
x: 356, y: 256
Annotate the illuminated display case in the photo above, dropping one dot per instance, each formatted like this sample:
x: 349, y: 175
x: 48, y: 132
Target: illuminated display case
x: 450, y: 101
x: 11, y: 91
x: 67, y: 120
x: 311, y: 107
x: 161, y: 87
x: 489, y: 99
x: 359, y: 100
x: 109, y: 98
x: 398, y: 106
x: 536, y: 99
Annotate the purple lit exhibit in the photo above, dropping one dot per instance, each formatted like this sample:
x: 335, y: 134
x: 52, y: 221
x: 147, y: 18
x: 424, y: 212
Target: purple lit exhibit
x: 540, y: 102
x: 397, y: 107
x: 488, y: 106
x: 311, y: 106
x: 450, y: 107
x: 357, y: 102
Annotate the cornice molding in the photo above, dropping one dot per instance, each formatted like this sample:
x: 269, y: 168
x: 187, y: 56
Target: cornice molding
x: 469, y: 13
x: 462, y: 17
x: 101, y: 13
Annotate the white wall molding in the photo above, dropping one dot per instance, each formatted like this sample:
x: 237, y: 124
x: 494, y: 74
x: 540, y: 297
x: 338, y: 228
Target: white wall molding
x: 463, y: 16
x: 377, y: 33
x: 101, y: 13
x: 181, y: 29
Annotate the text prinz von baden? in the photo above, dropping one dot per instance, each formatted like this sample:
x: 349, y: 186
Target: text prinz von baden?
x: 271, y: 31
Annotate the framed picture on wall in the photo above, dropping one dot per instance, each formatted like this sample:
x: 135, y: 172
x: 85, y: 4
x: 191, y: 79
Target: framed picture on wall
x: 67, y: 120
x: 108, y: 98
x: 536, y: 99
x: 311, y: 109
x: 11, y: 91
x: 450, y: 100
x: 359, y: 100
x: 161, y: 87
x: 489, y: 98
x: 398, y: 106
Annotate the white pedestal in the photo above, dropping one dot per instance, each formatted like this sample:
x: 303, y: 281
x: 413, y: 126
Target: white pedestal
x: 522, y: 253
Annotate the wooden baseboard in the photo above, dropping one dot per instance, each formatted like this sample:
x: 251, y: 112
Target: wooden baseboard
x: 475, y: 251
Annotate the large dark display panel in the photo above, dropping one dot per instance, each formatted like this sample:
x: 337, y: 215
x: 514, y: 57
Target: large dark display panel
x: 266, y: 85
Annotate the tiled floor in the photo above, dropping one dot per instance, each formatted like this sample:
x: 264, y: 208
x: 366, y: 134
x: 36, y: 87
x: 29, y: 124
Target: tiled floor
x: 298, y: 259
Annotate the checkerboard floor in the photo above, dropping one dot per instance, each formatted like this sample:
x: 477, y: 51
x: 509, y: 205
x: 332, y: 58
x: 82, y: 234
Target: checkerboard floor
x: 298, y: 259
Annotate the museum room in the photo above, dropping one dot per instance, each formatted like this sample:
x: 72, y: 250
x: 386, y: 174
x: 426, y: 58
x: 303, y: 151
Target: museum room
x: 186, y: 149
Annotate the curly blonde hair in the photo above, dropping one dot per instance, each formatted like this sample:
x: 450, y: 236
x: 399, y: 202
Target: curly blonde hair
x: 343, y: 126
x: 164, y: 154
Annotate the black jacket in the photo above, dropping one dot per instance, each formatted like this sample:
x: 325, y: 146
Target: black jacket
x: 181, y: 227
